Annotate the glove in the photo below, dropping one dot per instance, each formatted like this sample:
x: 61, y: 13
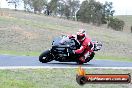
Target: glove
x: 71, y: 36
x: 72, y: 52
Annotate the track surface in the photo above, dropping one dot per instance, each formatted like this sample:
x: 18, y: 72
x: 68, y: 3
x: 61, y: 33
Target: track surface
x: 7, y: 60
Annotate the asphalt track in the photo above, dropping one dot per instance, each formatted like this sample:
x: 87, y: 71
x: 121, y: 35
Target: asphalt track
x: 9, y: 60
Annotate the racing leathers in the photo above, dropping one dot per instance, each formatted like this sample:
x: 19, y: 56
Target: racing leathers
x: 86, y: 48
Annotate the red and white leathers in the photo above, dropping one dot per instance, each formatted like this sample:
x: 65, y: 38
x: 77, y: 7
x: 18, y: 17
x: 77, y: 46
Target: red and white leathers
x: 86, y: 45
x: 85, y: 49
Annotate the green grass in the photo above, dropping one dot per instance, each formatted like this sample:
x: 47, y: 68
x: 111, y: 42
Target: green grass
x: 5, y: 20
x: 17, y: 53
x: 53, y: 78
x: 38, y: 23
x: 114, y: 58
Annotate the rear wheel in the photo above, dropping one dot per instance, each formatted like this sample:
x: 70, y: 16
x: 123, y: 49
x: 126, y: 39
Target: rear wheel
x: 45, y: 57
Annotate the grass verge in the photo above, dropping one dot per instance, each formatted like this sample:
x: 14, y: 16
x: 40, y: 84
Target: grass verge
x: 115, y: 58
x: 19, y: 53
x: 53, y: 78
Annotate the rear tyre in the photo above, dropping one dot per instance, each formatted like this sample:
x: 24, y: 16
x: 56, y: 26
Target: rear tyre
x: 45, y: 57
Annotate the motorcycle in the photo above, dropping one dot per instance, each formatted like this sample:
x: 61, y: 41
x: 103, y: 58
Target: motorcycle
x: 62, y: 51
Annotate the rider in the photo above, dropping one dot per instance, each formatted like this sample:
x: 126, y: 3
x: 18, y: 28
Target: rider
x: 86, y: 45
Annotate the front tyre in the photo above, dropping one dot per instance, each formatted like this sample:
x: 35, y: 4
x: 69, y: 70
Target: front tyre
x: 45, y: 57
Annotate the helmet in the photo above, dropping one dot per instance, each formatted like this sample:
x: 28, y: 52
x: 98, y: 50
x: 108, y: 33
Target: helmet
x: 81, y: 35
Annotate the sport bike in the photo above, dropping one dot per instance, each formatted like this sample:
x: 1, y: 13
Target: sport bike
x: 62, y: 51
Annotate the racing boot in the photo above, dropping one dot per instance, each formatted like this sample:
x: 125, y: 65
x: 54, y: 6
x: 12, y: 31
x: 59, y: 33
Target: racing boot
x: 90, y: 57
x: 82, y: 59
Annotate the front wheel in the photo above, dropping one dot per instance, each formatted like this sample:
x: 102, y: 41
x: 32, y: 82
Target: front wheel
x: 45, y: 57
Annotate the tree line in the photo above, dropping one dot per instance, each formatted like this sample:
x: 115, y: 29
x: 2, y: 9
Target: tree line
x: 89, y: 11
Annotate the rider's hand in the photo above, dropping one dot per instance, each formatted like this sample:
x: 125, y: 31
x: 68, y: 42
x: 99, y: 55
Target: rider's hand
x: 73, y: 51
x: 71, y: 36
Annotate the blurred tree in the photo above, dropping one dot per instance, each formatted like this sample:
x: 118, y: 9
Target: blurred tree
x: 61, y: 8
x: 91, y: 12
x: 95, y: 12
x: 84, y: 13
x: 116, y: 24
x: 71, y: 6
x: 65, y: 8
x: 14, y: 2
x: 27, y: 5
x: 36, y: 5
x: 52, y: 6
x: 107, y: 12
